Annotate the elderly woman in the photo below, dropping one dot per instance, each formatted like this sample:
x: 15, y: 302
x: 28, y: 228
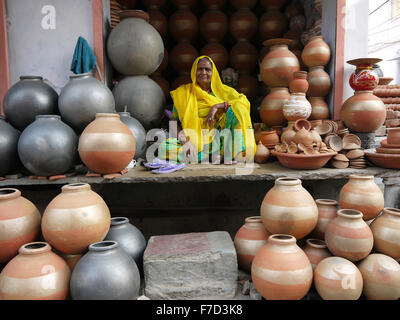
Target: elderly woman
x: 215, y: 119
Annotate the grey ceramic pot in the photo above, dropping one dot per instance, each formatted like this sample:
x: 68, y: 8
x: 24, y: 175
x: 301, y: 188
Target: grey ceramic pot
x: 48, y: 146
x: 105, y: 272
x: 9, y: 160
x: 28, y: 98
x: 81, y: 98
x: 143, y: 98
x: 138, y: 131
x: 129, y: 238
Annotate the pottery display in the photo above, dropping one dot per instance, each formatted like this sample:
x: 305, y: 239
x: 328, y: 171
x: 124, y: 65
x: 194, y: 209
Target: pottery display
x: 384, y: 160
x: 248, y: 240
x: 386, y: 231
x: 244, y: 57
x: 243, y: 24
x: 9, y: 159
x: 48, y: 146
x: 271, y: 109
x: 319, y: 81
x: 138, y: 131
x: 319, y: 109
x: 217, y: 53
x: 106, y: 272
x: 303, y: 161
x: 363, y: 112
x: 316, y: 251
x: 75, y: 218
x: 281, y: 270
x: 364, y: 77
x: 36, y: 273
x: 336, y: 278
x: 183, y: 25
x: 288, y: 208
x: 19, y: 222
x: 26, y: 99
x: 213, y: 25
x: 143, y: 98
x: 381, y: 277
x: 299, y: 83
x: 327, y: 211
x: 107, y: 145
x: 316, y: 52
x: 81, y: 98
x: 262, y: 153
x: 363, y: 194
x: 297, y: 107
x: 349, y: 236
x: 134, y: 46
x: 273, y: 24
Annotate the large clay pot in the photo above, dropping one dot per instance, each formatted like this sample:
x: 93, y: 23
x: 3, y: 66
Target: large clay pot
x: 134, y: 46
x: 244, y: 57
x: 75, y: 218
x: 213, y: 25
x: 26, y: 99
x: 320, y: 83
x: 271, y: 110
x: 81, y: 98
x: 363, y: 112
x: 183, y: 25
x: 273, y: 24
x: 316, y: 52
x: 364, y: 77
x: 281, y: 270
x: 381, y: 277
x: 159, y: 21
x: 279, y: 64
x: 327, y: 211
x: 19, y: 222
x: 349, y: 236
x: 106, y: 272
x: 336, y: 278
x: 36, y: 273
x: 143, y: 98
x: 363, y: 194
x: 316, y: 251
x: 248, y: 85
x: 289, y: 208
x: 129, y: 238
x: 9, y: 160
x: 182, y: 57
x: 243, y: 25
x: 138, y: 132
x: 386, y: 231
x: 299, y: 83
x: 319, y: 109
x: 217, y: 53
x: 297, y: 107
x: 48, y: 146
x: 107, y: 145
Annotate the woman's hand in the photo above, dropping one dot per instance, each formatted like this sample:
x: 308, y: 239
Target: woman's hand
x: 188, y: 151
x: 213, y: 111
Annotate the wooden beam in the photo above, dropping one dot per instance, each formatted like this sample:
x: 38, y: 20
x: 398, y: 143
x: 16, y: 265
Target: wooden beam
x: 97, y: 12
x: 4, y: 67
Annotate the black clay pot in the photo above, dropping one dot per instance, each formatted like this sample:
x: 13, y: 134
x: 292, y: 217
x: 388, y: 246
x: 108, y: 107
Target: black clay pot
x: 138, y: 131
x: 9, y: 136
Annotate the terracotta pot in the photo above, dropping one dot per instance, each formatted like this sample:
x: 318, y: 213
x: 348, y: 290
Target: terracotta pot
x: 316, y: 251
x: 364, y: 77
x: 244, y: 57
x: 243, y: 25
x: 386, y: 231
x: 271, y: 110
x: 393, y: 136
x: 182, y: 56
x: 348, y: 236
x: 363, y: 112
x: 363, y: 194
x: 159, y: 21
x: 269, y: 137
x: 289, y: 208
x: 297, y: 107
x: 273, y: 24
x: 320, y: 83
x: 304, y: 161
x: 19, y: 223
x: 75, y: 218
x: 336, y: 278
x: 319, y: 108
x: 293, y: 9
x: 71, y: 259
x: 297, y: 23
x: 381, y: 277
x: 289, y: 133
x: 248, y: 240
x: 154, y: 4
x: 281, y: 270
x: 278, y: 129
x: 183, y: 25
x: 248, y: 85
x: 302, y: 123
x: 217, y: 53
x: 184, y: 4
x: 213, y: 25
x: 276, y: 4
x: 36, y: 273
x: 316, y: 52
x: 262, y: 153
x: 240, y: 4
x: 213, y: 4
x: 299, y: 83
x: 327, y: 211
x: 278, y: 66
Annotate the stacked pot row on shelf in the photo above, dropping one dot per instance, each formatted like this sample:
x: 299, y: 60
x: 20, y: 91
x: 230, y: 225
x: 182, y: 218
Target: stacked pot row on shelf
x: 338, y: 257
x: 85, y: 254
x: 390, y: 95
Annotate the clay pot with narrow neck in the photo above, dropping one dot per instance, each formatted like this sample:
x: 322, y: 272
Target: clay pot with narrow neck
x: 364, y: 77
x: 248, y: 240
x: 183, y: 25
x: 75, y: 218
x: 243, y: 24
x: 217, y: 53
x: 299, y: 83
x: 244, y: 57
x: 36, y: 273
x: 319, y: 108
x: 320, y: 83
x: 19, y: 223
x: 297, y: 107
x: 289, y: 208
x: 271, y: 110
x: 386, y: 231
x: 213, y: 25
x: 316, y: 251
x: 281, y: 270
x: 363, y: 194
x: 316, y: 53
x: 327, y: 211
x: 273, y: 24
x: 9, y: 160
x: 349, y: 236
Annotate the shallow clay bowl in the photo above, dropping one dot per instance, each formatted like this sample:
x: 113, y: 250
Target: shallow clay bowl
x: 388, y: 150
x: 304, y: 162
x: 323, y: 128
x: 390, y: 161
x: 385, y: 144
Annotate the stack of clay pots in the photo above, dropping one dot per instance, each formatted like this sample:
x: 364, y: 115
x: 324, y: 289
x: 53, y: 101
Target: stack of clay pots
x: 115, y: 7
x: 390, y: 96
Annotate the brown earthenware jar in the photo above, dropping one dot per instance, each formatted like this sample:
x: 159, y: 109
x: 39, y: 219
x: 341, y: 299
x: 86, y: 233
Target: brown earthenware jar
x: 281, y: 270
x: 276, y: 4
x: 327, y: 211
x: 319, y: 108
x: 244, y: 57
x: 273, y: 24
x: 320, y: 83
x: 217, y: 53
x: 316, y: 52
x: 213, y: 25
x: 393, y: 136
x: 182, y: 56
x: 271, y: 110
x: 243, y: 25
x: 248, y: 85
x: 159, y: 22
x: 183, y: 25
x: 240, y: 4
x: 299, y: 83
x: 316, y: 251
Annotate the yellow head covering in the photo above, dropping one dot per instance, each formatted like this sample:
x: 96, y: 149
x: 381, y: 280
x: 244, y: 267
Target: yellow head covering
x: 193, y: 104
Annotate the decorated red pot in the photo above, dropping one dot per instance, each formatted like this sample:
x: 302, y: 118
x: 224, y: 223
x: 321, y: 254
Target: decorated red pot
x: 336, y: 278
x: 19, y: 223
x: 349, y: 236
x: 316, y: 251
x: 363, y: 194
x: 288, y: 208
x: 281, y: 270
x: 319, y: 108
x: 36, y: 273
x: 271, y: 110
x: 316, y: 52
x: 299, y: 83
x: 248, y: 240
x: 364, y: 77
x: 381, y: 276
x: 327, y: 211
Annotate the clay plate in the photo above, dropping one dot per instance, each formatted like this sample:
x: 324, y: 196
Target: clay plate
x: 385, y: 144
x: 390, y: 161
x: 356, y: 62
x: 388, y: 150
x: 304, y: 162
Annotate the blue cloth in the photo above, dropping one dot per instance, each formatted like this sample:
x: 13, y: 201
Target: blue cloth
x: 84, y: 59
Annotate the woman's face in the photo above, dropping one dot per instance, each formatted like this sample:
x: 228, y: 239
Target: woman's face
x: 204, y: 72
